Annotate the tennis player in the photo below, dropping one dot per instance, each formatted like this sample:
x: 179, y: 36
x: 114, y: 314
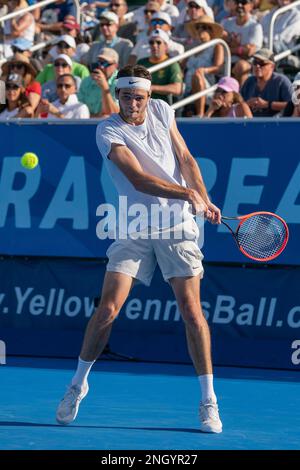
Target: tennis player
x: 150, y: 164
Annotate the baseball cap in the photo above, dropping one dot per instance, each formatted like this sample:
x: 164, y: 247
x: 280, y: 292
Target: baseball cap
x: 71, y: 23
x: 159, y: 33
x: 22, y: 44
x: 229, y: 84
x: 66, y: 58
x: 265, y: 55
x: 109, y: 54
x: 15, y: 78
x: 67, y: 39
x: 110, y: 16
x: 161, y: 15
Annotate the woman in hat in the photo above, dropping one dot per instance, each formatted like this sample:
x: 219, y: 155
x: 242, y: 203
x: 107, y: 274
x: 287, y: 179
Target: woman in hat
x: 227, y: 101
x: 21, y: 65
x: 16, y: 103
x: 201, y: 68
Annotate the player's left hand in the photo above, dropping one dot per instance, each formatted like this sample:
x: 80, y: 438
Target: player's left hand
x: 213, y: 213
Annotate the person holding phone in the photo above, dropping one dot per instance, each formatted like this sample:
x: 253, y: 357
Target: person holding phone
x: 98, y: 90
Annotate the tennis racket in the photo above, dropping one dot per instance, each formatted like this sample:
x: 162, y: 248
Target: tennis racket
x: 261, y: 236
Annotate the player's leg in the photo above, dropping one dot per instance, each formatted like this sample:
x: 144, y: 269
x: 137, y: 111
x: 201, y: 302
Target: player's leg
x: 116, y: 288
x: 187, y: 293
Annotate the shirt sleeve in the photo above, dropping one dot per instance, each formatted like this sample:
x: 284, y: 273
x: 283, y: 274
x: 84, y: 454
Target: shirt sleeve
x: 106, y: 135
x: 34, y: 87
x: 285, y: 89
x: 175, y: 74
x: 256, y: 36
x: 164, y: 111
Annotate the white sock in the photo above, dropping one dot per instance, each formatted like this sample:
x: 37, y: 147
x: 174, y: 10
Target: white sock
x: 82, y: 372
x: 207, y: 388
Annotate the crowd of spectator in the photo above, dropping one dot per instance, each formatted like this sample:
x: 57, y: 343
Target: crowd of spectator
x: 73, y: 74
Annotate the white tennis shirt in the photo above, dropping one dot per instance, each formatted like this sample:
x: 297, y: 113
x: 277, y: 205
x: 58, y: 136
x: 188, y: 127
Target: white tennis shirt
x: 151, y: 144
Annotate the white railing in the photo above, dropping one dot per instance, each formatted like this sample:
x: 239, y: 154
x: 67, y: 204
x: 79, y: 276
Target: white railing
x: 40, y: 5
x: 272, y: 23
x: 184, y: 55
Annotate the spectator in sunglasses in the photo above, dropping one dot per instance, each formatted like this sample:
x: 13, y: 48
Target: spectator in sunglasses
x: 16, y: 102
x: 62, y: 65
x: 139, y: 14
x: 98, y: 90
x: 109, y: 25
x: 167, y: 82
x: 244, y: 36
x: 65, y: 45
x: 53, y: 16
x: 162, y: 21
x: 21, y: 65
x: 192, y: 11
x: 227, y: 101
x: 127, y: 29
x: 67, y: 105
x: 266, y: 92
x: 150, y: 9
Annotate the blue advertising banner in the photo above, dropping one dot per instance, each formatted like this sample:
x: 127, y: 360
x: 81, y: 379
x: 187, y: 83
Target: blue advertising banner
x: 46, y: 304
x: 52, y: 210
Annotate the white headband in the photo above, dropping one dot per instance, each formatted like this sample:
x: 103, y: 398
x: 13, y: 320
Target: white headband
x: 133, y: 82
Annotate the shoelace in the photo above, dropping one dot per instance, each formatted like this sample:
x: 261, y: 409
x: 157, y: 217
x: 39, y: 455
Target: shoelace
x: 71, y: 396
x: 209, y: 411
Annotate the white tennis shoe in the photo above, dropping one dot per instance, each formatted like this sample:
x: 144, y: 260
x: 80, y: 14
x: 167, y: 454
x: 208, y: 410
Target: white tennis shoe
x: 209, y: 417
x: 68, y: 407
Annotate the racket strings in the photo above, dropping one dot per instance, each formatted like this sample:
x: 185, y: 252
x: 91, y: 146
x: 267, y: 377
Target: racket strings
x: 261, y: 236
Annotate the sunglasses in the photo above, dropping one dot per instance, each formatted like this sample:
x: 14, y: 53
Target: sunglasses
x: 64, y: 85
x: 61, y: 64
x: 203, y: 27
x: 260, y: 63
x: 11, y: 86
x: 105, y: 24
x: 63, y: 45
x: 242, y: 2
x: 104, y: 63
x: 193, y: 5
x: 157, y: 21
x: 221, y: 91
x: 17, y: 66
x: 149, y: 11
x: 155, y: 42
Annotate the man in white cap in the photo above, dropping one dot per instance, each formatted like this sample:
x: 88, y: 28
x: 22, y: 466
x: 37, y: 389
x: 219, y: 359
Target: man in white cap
x: 109, y: 25
x: 98, y: 90
x: 65, y: 44
x: 150, y: 165
x: 166, y: 82
x: 63, y: 64
x: 159, y: 20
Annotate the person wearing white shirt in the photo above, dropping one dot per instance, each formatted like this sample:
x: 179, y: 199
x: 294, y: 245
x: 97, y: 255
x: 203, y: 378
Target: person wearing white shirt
x: 67, y: 105
x: 286, y: 27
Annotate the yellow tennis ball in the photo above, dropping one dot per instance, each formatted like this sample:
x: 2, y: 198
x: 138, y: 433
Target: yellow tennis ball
x: 29, y: 160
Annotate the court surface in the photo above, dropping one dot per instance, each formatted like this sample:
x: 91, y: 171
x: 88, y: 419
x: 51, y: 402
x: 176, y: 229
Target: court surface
x: 146, y: 406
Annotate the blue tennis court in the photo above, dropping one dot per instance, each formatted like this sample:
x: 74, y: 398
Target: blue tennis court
x: 146, y: 406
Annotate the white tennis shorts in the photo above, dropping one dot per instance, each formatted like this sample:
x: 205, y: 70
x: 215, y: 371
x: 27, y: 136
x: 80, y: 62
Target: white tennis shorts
x: 175, y: 257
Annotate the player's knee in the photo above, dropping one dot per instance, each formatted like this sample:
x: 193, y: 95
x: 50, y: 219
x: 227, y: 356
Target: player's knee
x: 192, y: 316
x: 106, y: 314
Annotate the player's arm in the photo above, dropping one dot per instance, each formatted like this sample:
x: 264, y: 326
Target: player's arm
x: 144, y: 182
x: 191, y: 172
